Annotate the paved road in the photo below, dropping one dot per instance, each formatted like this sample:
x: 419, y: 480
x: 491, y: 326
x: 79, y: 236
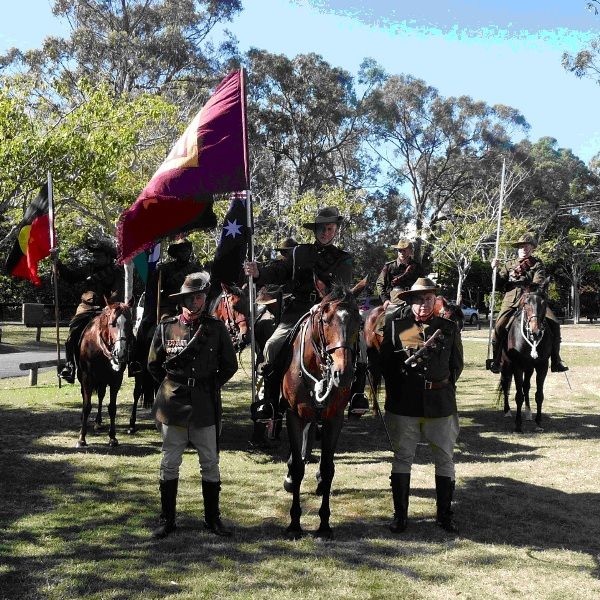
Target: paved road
x: 9, y: 361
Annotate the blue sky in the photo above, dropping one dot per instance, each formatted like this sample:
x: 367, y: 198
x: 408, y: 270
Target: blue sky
x: 499, y: 51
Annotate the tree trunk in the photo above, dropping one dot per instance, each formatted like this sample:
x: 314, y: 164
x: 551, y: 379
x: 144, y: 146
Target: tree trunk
x: 459, y: 284
x: 576, y: 301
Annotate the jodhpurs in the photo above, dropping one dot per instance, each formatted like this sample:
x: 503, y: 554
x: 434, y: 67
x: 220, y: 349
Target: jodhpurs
x: 175, y: 441
x: 440, y: 433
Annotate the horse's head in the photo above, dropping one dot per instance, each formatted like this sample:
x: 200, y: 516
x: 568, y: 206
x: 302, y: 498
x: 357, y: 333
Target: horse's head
x: 233, y: 307
x: 116, y: 332
x: 335, y: 323
x: 449, y: 310
x: 533, y: 305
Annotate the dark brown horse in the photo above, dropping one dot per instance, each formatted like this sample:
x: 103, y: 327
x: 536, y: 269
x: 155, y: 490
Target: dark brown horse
x: 232, y: 307
x: 103, y: 354
x: 527, y: 348
x: 316, y: 387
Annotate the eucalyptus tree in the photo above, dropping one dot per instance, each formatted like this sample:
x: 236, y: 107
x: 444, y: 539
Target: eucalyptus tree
x: 159, y: 46
x: 432, y: 144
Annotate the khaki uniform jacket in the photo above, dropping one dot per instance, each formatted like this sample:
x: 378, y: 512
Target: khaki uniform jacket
x: 516, y: 272
x: 329, y: 263
x: 394, y: 275
x: 198, y: 353
x: 406, y: 392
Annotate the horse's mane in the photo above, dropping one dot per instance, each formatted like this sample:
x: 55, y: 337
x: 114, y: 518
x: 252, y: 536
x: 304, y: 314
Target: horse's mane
x: 342, y: 293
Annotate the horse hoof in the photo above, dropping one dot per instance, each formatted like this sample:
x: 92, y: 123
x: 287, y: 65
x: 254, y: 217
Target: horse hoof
x: 508, y: 414
x: 81, y: 444
x: 293, y: 533
x: 324, y: 533
x: 113, y: 443
x: 288, y: 485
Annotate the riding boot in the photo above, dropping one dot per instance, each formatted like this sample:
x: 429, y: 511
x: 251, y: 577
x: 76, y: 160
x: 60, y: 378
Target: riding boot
x: 556, y: 363
x: 400, y: 483
x: 444, y: 489
x: 212, y: 516
x: 168, y: 500
x: 265, y: 410
x: 68, y: 371
x: 497, y: 342
x: 359, y: 404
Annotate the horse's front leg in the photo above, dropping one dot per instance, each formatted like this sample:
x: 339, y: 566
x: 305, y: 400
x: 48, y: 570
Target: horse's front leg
x: 86, y: 397
x: 138, y: 390
x: 540, y: 378
x: 329, y: 440
x: 98, y: 420
x: 112, y: 413
x: 295, y: 427
x: 526, y: 387
x: 519, y: 397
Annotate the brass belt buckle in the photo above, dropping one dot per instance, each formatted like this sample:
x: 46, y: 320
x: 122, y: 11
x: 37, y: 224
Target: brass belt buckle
x: 428, y: 385
x: 191, y: 382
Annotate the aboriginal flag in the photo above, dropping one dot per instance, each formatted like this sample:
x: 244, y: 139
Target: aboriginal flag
x: 211, y: 157
x: 33, y: 240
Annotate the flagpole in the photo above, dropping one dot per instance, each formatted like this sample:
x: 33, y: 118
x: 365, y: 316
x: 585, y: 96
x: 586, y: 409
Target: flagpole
x: 54, y: 254
x: 250, y: 223
x: 495, y: 268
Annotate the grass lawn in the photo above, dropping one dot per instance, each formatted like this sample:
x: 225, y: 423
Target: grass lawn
x: 76, y: 523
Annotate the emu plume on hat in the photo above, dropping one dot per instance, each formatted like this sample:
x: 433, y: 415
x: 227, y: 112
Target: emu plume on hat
x: 193, y: 283
x: 420, y: 286
x: 325, y: 215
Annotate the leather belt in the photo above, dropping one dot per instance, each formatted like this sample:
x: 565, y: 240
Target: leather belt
x: 436, y: 385
x: 189, y: 381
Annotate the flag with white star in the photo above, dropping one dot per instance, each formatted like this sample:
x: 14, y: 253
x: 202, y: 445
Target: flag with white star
x: 233, y: 243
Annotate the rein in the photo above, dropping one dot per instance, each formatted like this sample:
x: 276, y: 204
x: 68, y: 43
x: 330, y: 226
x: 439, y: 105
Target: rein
x: 108, y: 346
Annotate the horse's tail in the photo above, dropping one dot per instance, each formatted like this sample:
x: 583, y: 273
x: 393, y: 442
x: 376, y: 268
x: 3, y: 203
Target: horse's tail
x: 503, y: 383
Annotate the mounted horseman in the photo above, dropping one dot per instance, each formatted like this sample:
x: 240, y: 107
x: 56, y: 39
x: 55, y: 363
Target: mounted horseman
x: 103, y: 282
x: 514, y: 276
x: 320, y: 260
x: 398, y: 274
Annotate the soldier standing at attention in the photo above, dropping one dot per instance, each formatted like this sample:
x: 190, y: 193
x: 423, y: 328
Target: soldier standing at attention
x: 524, y: 270
x: 103, y: 281
x: 321, y: 259
x: 420, y: 400
x: 192, y: 357
x: 400, y: 273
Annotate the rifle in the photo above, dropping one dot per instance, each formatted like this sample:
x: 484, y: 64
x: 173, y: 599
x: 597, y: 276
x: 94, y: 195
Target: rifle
x: 412, y: 360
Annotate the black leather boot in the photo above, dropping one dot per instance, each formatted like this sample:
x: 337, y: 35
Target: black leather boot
x: 359, y: 404
x: 556, y: 363
x: 496, y: 353
x: 263, y: 411
x: 444, y: 490
x: 400, y: 483
x: 168, y: 500
x: 212, y: 516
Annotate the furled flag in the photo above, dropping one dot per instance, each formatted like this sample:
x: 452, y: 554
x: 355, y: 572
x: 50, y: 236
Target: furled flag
x: 33, y: 240
x: 210, y: 157
x: 233, y: 242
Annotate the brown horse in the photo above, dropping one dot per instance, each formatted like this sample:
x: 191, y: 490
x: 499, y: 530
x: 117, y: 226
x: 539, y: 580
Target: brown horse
x: 527, y: 348
x: 103, y: 354
x: 316, y: 386
x: 232, y: 307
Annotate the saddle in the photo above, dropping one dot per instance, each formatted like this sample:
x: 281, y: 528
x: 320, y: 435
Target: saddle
x: 284, y: 358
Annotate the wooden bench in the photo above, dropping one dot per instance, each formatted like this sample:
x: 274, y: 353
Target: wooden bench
x: 33, y: 367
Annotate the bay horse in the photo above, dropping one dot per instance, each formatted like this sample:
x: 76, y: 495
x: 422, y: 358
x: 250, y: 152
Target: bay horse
x: 232, y: 307
x: 316, y: 386
x: 527, y: 348
x: 103, y: 355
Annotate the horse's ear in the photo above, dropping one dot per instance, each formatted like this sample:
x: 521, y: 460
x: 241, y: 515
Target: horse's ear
x: 321, y: 287
x: 360, y: 286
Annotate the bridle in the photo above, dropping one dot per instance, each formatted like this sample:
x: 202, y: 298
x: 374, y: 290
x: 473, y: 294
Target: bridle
x: 111, y: 348
x: 532, y: 338
x: 233, y: 323
x: 320, y: 389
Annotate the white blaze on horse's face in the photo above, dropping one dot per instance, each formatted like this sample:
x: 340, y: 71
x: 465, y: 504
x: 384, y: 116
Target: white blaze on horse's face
x: 342, y: 371
x: 119, y: 352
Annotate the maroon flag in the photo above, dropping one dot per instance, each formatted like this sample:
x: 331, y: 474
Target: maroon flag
x: 210, y: 157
